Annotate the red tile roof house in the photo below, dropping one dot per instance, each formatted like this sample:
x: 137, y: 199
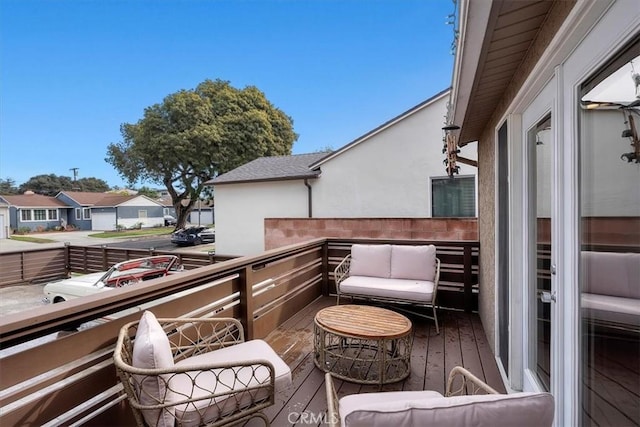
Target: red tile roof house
x: 35, y: 211
x: 106, y: 211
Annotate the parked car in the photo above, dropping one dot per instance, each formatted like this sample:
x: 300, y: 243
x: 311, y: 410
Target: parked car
x: 193, y: 236
x: 170, y: 220
x: 124, y: 273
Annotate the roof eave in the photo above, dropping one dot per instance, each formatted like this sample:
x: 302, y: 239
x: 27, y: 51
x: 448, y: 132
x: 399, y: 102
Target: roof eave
x: 473, y: 27
x: 246, y: 181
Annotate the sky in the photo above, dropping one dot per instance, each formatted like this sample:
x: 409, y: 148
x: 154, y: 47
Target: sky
x: 73, y: 71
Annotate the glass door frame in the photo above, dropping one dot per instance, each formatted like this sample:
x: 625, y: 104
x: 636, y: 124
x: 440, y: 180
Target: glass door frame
x: 543, y: 105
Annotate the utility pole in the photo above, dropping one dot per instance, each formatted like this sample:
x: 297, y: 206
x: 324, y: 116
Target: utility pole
x: 75, y: 173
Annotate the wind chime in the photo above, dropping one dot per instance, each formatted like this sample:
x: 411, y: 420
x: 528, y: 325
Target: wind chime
x: 451, y: 150
x: 631, y: 132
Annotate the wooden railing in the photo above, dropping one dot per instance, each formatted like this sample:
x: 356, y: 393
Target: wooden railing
x: 23, y: 267
x: 53, y: 377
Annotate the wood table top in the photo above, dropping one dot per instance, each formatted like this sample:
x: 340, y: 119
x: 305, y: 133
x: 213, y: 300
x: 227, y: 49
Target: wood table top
x: 363, y: 321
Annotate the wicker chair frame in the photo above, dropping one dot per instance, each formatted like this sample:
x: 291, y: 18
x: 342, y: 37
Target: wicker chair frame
x: 190, y: 337
x: 341, y: 273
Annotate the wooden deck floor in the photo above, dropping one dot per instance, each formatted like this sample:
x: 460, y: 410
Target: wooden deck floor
x: 461, y: 341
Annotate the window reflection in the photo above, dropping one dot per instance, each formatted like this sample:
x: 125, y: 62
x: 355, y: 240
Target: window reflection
x: 610, y: 246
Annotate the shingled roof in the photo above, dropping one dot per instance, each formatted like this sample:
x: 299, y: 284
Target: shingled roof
x: 276, y: 168
x: 33, y: 201
x: 86, y: 198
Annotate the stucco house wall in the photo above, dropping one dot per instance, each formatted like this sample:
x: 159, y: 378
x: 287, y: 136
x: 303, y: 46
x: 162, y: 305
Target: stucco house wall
x: 388, y: 174
x: 241, y: 209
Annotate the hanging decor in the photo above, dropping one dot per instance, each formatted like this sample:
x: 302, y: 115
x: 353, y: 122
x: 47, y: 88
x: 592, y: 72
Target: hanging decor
x: 451, y: 150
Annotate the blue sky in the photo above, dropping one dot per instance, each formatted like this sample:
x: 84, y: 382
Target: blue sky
x: 72, y: 72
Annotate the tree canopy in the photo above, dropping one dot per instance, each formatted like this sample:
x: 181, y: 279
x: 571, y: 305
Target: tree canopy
x: 194, y: 135
x: 51, y: 184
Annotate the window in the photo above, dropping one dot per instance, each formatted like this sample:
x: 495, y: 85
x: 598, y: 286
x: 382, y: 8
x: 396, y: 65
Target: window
x: 453, y: 197
x: 78, y: 213
x: 609, y: 245
x: 86, y: 213
x: 52, y: 214
x: 25, y: 215
x: 142, y: 214
x: 165, y: 211
x: 39, y: 214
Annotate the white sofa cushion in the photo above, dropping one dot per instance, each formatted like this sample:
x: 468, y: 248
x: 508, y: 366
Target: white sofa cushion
x: 370, y: 260
x: 204, y: 411
x: 612, y: 273
x: 151, y: 350
x: 413, y: 262
x: 400, y: 289
x: 431, y: 409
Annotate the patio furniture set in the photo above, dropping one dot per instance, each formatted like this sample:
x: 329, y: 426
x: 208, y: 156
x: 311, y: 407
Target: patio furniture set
x: 192, y: 372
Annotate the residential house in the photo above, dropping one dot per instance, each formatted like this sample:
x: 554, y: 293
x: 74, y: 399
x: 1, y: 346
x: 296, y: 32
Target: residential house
x: 108, y: 211
x: 167, y: 205
x: 265, y: 187
x: 558, y: 183
x: 4, y: 220
x: 34, y: 211
x: 361, y: 179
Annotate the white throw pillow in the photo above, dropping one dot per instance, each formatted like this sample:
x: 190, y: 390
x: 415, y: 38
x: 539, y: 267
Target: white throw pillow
x: 151, y: 350
x: 413, y: 262
x: 370, y: 260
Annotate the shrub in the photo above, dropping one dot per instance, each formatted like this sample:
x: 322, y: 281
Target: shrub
x: 23, y: 230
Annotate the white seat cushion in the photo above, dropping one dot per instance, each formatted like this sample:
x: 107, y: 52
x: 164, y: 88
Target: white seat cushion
x: 413, y: 262
x: 606, y: 308
x: 431, y: 409
x: 400, y: 289
x: 370, y: 260
x: 206, y: 410
x: 151, y: 350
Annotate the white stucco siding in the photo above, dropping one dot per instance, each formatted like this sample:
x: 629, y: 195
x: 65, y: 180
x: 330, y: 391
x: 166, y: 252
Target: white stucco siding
x: 139, y: 201
x: 387, y: 175
x: 241, y: 209
x: 610, y: 184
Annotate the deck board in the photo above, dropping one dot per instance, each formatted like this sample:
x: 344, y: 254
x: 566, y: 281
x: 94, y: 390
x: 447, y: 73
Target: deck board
x: 461, y: 342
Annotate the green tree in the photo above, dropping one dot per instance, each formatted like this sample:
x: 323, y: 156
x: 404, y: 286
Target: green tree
x: 49, y: 185
x: 8, y: 186
x: 146, y: 191
x: 94, y: 185
x: 193, y: 135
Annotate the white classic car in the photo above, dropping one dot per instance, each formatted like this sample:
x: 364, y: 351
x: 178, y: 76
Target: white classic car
x: 124, y: 273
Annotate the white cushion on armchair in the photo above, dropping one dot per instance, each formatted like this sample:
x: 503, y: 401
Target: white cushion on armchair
x: 151, y: 350
x: 429, y: 408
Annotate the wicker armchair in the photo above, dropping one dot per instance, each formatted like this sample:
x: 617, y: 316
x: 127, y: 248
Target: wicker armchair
x: 202, y: 372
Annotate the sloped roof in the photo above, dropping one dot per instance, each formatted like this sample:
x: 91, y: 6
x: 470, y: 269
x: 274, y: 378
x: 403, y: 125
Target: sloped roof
x: 382, y: 127
x: 34, y: 201
x: 86, y: 198
x: 274, y: 168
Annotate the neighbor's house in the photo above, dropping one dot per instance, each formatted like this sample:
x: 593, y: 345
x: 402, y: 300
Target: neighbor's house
x: 550, y: 93
x: 108, y: 211
x: 4, y: 220
x: 167, y: 205
x: 34, y: 211
x: 393, y: 171
x: 202, y: 213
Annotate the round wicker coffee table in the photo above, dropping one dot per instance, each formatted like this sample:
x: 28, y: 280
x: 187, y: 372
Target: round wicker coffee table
x: 363, y: 344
